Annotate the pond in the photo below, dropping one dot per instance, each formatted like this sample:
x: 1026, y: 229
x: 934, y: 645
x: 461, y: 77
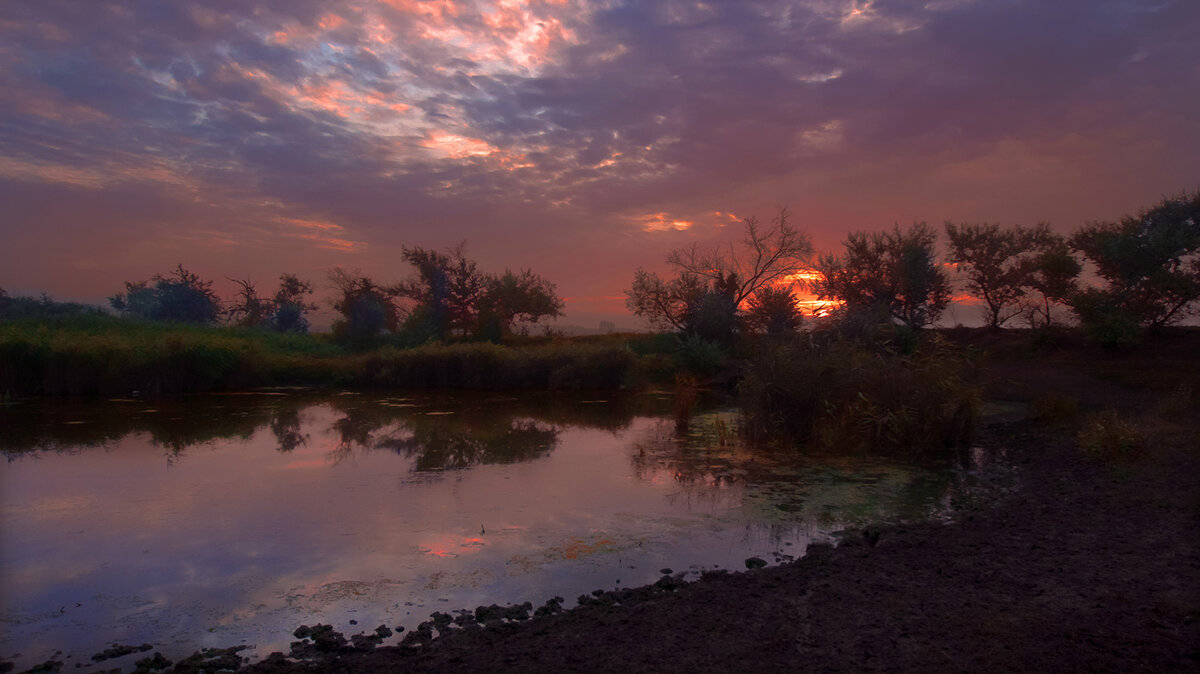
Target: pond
x: 212, y: 521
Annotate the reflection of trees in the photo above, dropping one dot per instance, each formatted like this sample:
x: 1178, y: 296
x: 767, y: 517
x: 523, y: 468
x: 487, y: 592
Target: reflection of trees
x: 439, y: 443
x: 172, y: 423
x: 825, y: 491
x: 444, y: 439
x: 483, y: 428
x: 285, y: 425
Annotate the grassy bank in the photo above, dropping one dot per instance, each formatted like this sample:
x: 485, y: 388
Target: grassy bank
x: 101, y: 355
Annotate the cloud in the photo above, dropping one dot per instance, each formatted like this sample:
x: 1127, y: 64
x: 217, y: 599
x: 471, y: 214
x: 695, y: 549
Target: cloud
x: 538, y: 123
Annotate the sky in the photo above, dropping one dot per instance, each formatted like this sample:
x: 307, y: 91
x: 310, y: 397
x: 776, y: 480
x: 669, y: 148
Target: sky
x: 583, y: 139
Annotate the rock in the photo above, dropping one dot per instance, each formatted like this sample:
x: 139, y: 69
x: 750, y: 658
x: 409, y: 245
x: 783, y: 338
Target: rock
x: 755, y: 563
x: 151, y: 664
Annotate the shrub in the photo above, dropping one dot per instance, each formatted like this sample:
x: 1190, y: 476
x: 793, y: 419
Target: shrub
x: 1108, y: 434
x: 699, y: 356
x: 847, y: 395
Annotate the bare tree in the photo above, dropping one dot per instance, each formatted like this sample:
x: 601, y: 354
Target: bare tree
x: 248, y: 310
x: 767, y: 255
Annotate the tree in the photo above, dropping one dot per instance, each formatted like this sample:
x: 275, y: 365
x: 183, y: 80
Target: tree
x: 706, y: 275
x: 996, y: 263
x: 285, y: 312
x: 893, y: 273
x: 367, y: 308
x: 773, y: 310
x: 290, y: 305
x: 465, y: 290
x: 429, y: 291
x: 1051, y: 281
x: 451, y: 296
x: 248, y: 309
x: 519, y: 299
x: 665, y: 304
x: 181, y: 296
x: 1150, y: 263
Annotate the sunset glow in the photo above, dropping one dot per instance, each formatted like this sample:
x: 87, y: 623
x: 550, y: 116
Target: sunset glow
x: 580, y: 138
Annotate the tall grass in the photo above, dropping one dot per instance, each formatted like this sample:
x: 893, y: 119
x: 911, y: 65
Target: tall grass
x: 104, y: 355
x: 491, y: 366
x: 842, y: 394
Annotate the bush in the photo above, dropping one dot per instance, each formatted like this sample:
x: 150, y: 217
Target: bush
x: 699, y: 356
x: 1108, y: 434
x: 848, y: 395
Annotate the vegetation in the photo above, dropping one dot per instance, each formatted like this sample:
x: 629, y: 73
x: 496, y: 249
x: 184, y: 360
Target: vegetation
x: 1150, y: 264
x: 733, y: 308
x: 105, y: 355
x: 706, y: 298
x: 180, y: 296
x: 888, y: 274
x: 447, y: 298
x: 285, y: 312
x: 997, y: 264
x: 835, y: 393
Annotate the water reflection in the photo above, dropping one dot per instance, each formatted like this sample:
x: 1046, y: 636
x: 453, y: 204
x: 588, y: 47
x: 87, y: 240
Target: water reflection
x: 439, y: 432
x: 218, y: 520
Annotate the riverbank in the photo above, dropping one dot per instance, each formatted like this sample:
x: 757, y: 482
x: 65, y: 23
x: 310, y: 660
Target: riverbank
x: 102, y: 355
x: 1091, y: 565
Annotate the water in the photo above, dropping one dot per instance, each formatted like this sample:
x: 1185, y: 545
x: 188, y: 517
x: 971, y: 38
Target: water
x: 214, y: 521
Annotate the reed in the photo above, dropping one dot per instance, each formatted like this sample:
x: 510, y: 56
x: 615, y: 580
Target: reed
x: 839, y: 394
x: 104, y: 355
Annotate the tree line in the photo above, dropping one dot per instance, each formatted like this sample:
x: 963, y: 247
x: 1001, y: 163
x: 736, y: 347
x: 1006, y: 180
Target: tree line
x: 1147, y: 266
x: 446, y: 297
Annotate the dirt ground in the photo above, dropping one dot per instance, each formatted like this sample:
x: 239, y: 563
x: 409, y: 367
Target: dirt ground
x: 1091, y: 565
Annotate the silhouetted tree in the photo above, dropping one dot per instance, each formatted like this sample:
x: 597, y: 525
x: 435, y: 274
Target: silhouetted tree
x: 773, y: 310
x: 248, y: 309
x: 1051, y: 280
x: 767, y: 255
x: 665, y: 304
x: 367, y: 308
x: 452, y: 296
x: 465, y: 290
x: 890, y: 273
x: 291, y: 305
x: 429, y: 291
x: 519, y: 300
x: 285, y: 312
x: 181, y: 296
x: 996, y: 263
x: 1150, y: 263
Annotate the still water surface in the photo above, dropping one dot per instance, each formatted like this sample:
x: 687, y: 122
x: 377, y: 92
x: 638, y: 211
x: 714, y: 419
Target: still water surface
x: 222, y: 520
